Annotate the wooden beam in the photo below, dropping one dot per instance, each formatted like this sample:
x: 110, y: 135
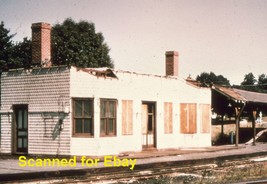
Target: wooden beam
x: 254, y: 126
x: 238, y: 112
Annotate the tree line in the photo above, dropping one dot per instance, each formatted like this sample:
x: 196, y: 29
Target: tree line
x: 249, y: 82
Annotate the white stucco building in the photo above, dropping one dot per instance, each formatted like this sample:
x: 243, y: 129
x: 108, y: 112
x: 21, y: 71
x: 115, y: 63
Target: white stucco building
x: 100, y: 111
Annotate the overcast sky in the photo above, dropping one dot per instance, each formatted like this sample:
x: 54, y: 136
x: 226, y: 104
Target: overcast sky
x: 226, y: 37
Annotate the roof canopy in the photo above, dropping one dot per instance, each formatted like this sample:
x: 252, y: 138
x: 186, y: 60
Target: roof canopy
x: 242, y: 96
x: 252, y: 96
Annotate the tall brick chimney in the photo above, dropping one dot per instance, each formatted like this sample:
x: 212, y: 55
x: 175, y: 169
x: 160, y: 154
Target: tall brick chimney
x: 172, y: 63
x: 41, y: 44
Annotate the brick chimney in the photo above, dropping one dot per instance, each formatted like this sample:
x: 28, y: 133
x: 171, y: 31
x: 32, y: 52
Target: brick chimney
x: 41, y: 44
x: 172, y: 63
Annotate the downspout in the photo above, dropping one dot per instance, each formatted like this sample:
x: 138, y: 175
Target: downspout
x: 237, y: 124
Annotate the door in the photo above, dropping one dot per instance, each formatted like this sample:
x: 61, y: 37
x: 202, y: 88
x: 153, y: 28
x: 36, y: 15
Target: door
x: 148, y: 124
x: 20, y: 129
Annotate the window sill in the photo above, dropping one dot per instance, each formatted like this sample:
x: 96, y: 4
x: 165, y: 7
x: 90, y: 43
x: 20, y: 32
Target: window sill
x: 108, y: 136
x: 82, y: 136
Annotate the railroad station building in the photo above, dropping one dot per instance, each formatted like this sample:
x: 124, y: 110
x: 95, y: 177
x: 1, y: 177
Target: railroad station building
x: 60, y: 110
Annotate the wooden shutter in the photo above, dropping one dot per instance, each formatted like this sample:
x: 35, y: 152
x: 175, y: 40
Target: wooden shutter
x: 127, y: 117
x: 168, y: 118
x: 144, y: 118
x: 188, y: 118
x: 183, y: 118
x: 192, y: 118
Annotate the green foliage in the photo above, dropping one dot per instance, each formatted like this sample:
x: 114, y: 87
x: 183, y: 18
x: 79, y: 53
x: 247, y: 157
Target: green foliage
x: 5, y: 46
x: 21, y: 55
x: 78, y: 44
x: 249, y: 79
x: 249, y: 83
x: 73, y: 43
x: 262, y: 80
x: 210, y: 78
x: 13, y: 55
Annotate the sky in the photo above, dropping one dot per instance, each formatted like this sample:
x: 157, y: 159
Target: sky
x: 227, y: 37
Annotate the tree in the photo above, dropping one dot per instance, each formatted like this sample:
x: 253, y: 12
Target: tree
x: 249, y: 83
x: 13, y: 55
x: 249, y: 79
x: 78, y: 44
x: 262, y: 80
x: 210, y: 78
x: 21, y: 55
x: 72, y: 44
x: 5, y: 46
x: 262, y: 83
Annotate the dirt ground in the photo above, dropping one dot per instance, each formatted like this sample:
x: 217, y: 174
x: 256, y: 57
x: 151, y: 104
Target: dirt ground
x: 228, y: 136
x: 216, y: 134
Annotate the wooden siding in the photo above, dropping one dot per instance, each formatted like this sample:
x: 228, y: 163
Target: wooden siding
x: 47, y: 93
x: 188, y: 118
x: 168, y: 118
x: 127, y: 117
x: 144, y: 118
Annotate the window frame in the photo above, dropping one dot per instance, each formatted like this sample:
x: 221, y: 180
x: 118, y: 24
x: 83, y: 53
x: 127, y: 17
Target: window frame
x: 107, y: 118
x: 74, y: 117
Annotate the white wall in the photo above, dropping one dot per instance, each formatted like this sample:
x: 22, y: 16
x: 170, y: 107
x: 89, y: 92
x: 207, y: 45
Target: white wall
x: 137, y: 87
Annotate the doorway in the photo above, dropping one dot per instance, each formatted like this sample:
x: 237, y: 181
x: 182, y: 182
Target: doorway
x: 20, y: 129
x: 148, y: 124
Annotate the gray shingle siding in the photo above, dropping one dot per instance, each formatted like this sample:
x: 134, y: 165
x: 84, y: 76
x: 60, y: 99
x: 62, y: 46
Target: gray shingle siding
x: 47, y: 93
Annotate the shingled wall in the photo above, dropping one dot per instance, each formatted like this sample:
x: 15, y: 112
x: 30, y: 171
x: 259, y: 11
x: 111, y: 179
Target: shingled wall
x: 46, y: 92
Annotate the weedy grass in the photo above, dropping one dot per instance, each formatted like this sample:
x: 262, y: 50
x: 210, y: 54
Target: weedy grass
x: 222, y: 175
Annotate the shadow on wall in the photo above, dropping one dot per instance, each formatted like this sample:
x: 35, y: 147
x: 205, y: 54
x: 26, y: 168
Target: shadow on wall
x: 58, y: 128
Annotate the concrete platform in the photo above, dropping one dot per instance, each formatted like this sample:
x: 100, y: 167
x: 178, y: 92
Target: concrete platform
x: 11, y: 171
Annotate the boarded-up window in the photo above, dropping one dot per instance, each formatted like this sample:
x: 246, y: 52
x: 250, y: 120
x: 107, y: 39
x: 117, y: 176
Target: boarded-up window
x: 167, y: 117
x: 127, y: 117
x: 205, y: 118
x: 188, y: 118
